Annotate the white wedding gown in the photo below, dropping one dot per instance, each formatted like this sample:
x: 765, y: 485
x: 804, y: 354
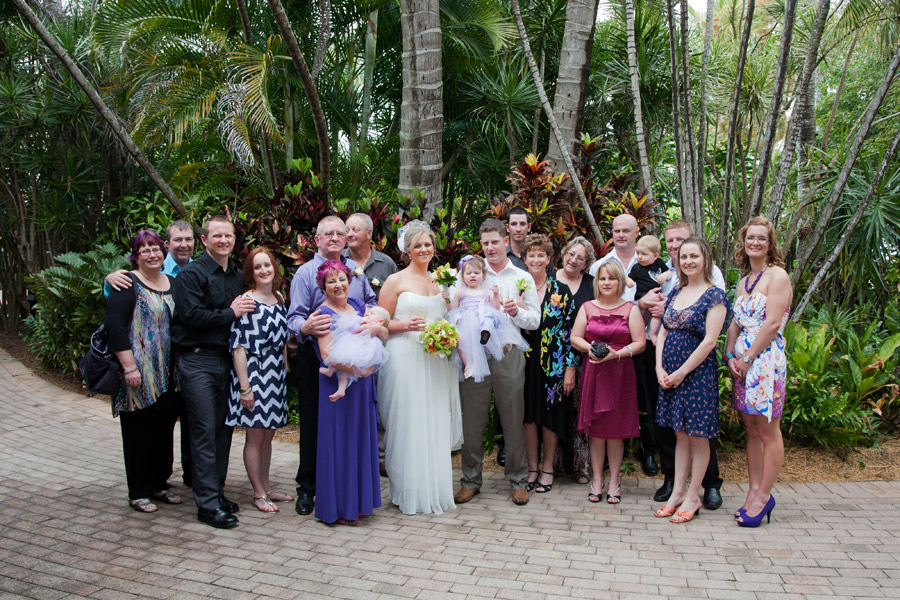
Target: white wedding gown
x: 418, y: 398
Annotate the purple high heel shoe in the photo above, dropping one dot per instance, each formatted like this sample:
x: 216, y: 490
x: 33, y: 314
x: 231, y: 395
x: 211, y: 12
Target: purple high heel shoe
x: 756, y: 521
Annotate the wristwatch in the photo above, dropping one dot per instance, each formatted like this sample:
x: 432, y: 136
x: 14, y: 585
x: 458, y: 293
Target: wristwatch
x: 746, y: 358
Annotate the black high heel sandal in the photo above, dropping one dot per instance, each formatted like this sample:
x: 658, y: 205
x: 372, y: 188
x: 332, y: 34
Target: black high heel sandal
x: 543, y: 488
x: 531, y: 484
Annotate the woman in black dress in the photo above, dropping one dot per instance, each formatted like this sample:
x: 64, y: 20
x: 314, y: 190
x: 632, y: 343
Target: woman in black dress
x: 549, y: 367
x: 577, y: 256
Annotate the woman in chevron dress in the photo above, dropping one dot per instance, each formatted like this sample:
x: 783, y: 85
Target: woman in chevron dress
x: 258, y: 391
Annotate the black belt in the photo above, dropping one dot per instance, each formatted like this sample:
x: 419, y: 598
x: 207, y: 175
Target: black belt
x: 220, y: 353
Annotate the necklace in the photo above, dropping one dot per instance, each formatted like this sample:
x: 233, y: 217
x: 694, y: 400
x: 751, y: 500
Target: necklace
x: 750, y: 289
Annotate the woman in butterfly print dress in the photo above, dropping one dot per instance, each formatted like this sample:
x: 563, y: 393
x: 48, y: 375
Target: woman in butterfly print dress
x: 756, y: 359
x: 258, y: 390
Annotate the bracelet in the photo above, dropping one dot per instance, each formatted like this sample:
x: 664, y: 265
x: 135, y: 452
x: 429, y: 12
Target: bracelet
x: 728, y: 356
x: 246, y: 390
x: 134, y: 370
x: 630, y: 352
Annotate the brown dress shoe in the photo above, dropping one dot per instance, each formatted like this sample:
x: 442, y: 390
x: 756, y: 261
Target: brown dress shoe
x: 520, y: 497
x: 464, y: 495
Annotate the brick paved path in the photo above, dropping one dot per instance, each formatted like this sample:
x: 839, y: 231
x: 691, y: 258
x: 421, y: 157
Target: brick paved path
x: 66, y: 531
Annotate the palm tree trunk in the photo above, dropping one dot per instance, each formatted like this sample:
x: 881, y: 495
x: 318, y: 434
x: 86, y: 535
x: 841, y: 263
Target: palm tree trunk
x: 688, y: 145
x: 551, y: 119
x: 536, y: 126
x: 368, y: 83
x: 107, y: 113
x: 309, y: 88
x: 687, y: 212
x: 574, y: 73
x: 725, y: 214
x: 646, y: 183
x: 422, y: 110
x: 324, y: 37
x: 765, y: 157
x: 857, y: 217
x: 826, y: 210
x: 702, y: 118
x: 779, y: 186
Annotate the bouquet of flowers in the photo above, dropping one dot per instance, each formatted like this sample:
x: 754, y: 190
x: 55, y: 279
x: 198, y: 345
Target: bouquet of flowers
x: 439, y: 338
x: 522, y: 285
x: 445, y: 276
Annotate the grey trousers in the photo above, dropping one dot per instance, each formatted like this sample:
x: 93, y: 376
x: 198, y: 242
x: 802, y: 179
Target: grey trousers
x: 507, y: 381
x: 206, y: 384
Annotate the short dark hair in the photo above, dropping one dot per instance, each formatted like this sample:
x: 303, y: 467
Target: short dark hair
x: 492, y: 225
x: 144, y: 236
x: 516, y: 210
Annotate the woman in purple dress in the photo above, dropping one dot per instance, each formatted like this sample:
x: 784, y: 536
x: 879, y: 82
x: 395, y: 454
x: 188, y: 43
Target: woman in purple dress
x: 610, y: 332
x: 347, y: 479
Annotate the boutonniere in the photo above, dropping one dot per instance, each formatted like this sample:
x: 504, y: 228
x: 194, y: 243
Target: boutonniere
x: 375, y: 282
x: 555, y: 299
x: 522, y: 285
x: 357, y: 272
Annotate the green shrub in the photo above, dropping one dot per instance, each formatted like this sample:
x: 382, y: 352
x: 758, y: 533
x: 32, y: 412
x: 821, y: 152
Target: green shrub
x: 70, y: 305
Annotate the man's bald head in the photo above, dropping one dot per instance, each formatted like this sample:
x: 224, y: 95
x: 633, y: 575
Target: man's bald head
x: 625, y: 233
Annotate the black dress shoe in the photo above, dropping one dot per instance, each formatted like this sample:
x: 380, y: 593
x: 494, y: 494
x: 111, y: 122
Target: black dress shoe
x: 305, y: 503
x: 501, y: 456
x: 664, y: 491
x: 217, y: 517
x: 649, y: 466
x: 228, y: 506
x: 712, y: 499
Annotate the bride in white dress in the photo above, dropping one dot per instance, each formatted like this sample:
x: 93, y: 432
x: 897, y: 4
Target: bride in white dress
x: 418, y: 394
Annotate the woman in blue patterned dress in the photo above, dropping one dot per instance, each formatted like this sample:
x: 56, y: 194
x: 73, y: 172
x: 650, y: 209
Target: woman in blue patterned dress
x: 695, y: 314
x: 137, y: 320
x: 549, y: 367
x: 757, y: 361
x: 258, y: 391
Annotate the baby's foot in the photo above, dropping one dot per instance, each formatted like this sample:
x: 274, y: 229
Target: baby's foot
x: 326, y: 371
x: 485, y: 336
x: 335, y: 396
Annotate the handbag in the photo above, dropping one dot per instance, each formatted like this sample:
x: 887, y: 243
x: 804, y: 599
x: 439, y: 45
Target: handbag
x: 100, y: 368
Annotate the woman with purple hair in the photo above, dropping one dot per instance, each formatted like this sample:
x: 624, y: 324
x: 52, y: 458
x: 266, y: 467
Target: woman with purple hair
x: 347, y: 479
x: 137, y: 320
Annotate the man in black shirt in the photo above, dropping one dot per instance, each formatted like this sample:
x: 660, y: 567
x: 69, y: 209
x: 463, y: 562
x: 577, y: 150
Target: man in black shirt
x: 207, y: 301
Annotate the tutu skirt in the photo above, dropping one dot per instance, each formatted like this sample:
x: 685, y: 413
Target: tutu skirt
x: 356, y: 350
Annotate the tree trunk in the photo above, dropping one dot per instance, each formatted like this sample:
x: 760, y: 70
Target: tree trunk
x: 765, y: 157
x: 702, y: 118
x: 725, y: 215
x: 857, y: 217
x: 574, y: 73
x: 690, y: 155
x: 536, y: 126
x: 108, y: 115
x: 422, y: 110
x: 368, y: 83
x: 826, y: 210
x: 309, y: 88
x: 324, y: 37
x: 646, y: 182
x: 779, y: 186
x: 551, y: 119
x: 686, y: 207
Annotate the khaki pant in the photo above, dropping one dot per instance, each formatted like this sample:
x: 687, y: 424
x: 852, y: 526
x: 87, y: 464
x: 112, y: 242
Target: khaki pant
x: 507, y: 381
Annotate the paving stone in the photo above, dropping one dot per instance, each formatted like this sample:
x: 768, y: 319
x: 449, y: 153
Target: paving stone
x: 82, y: 541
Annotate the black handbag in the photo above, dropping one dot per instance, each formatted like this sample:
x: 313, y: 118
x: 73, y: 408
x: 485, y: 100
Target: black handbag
x: 100, y: 368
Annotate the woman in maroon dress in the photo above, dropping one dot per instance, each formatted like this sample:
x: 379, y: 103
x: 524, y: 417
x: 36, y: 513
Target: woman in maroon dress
x: 608, y: 410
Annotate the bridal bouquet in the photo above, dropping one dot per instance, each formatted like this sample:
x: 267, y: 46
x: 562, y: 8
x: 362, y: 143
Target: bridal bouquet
x: 445, y: 276
x: 439, y: 338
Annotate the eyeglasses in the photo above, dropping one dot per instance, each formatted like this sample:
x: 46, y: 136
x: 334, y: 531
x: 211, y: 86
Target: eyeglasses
x: 145, y: 252
x: 330, y: 234
x: 574, y: 256
x: 752, y: 238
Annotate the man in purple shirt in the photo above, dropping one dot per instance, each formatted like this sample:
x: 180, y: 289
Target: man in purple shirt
x: 307, y: 323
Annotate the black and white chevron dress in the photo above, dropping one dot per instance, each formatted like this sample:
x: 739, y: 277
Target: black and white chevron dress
x: 263, y: 334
